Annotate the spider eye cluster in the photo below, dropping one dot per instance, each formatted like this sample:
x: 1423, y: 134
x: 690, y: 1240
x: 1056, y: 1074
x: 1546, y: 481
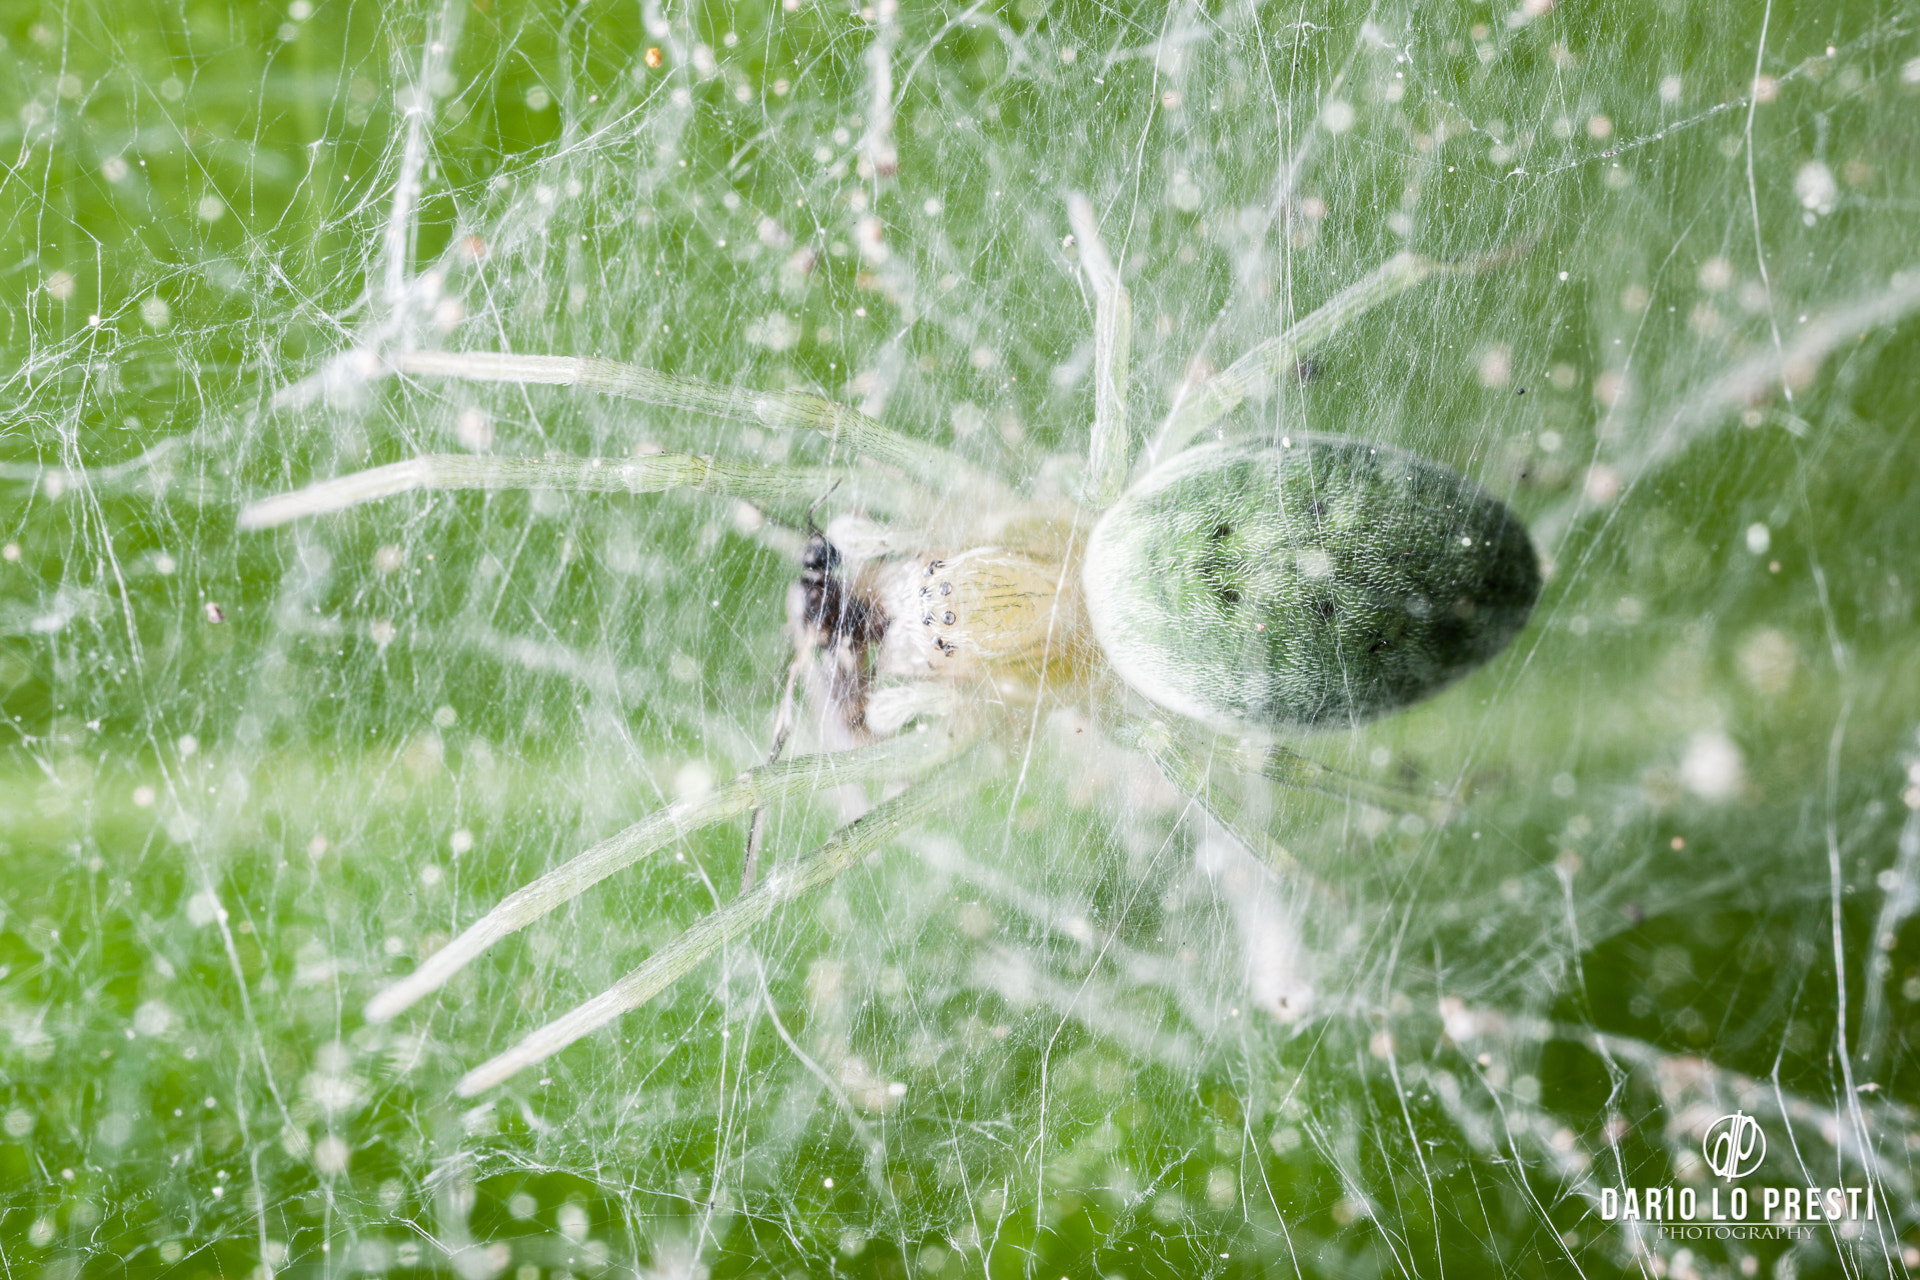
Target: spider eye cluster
x: 1320, y: 580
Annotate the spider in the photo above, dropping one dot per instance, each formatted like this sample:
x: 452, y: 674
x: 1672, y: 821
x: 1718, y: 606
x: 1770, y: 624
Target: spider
x: 1257, y: 582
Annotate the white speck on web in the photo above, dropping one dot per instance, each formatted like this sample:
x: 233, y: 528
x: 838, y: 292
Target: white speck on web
x: 1712, y: 767
x: 1816, y: 188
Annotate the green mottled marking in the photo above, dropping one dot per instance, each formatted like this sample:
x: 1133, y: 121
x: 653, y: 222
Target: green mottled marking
x: 1262, y: 586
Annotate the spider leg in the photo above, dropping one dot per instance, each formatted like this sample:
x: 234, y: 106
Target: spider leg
x: 1277, y: 356
x: 911, y: 754
x: 846, y: 848
x: 1291, y: 769
x: 1190, y: 777
x: 782, y: 730
x: 933, y: 466
x: 1276, y: 764
x: 1110, y: 452
x: 646, y: 473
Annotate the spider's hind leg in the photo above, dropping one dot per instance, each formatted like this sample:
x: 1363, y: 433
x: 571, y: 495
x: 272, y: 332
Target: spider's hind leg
x: 1110, y: 451
x: 1284, y: 354
x: 1190, y: 774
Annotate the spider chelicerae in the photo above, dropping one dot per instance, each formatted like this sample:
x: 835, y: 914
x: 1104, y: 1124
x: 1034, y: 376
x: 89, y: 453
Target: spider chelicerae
x: 1258, y: 582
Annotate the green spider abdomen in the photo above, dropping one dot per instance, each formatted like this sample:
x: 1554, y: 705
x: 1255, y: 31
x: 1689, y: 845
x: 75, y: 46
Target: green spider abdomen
x: 1318, y: 581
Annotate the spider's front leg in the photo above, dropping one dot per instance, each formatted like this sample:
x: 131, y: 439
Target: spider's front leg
x: 910, y: 755
x: 775, y: 486
x: 845, y: 849
x: 930, y: 465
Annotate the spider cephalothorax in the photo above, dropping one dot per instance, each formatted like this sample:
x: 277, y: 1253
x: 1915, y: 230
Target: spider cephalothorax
x: 1257, y: 584
x: 864, y: 613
